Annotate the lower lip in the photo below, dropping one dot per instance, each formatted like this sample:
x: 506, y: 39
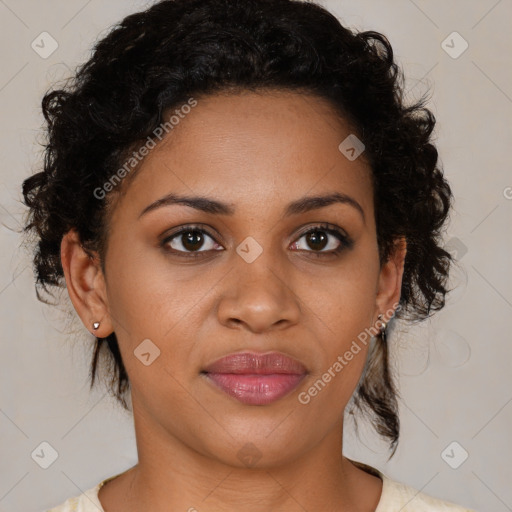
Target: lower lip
x: 255, y: 389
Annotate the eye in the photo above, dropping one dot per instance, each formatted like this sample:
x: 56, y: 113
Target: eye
x: 189, y: 240
x: 323, y: 239
x: 193, y: 240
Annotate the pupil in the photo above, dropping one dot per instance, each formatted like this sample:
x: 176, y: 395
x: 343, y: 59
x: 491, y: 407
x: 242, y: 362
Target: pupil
x: 317, y: 240
x: 192, y: 240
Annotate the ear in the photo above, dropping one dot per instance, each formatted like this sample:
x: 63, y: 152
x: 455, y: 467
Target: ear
x: 85, y: 284
x: 390, y: 281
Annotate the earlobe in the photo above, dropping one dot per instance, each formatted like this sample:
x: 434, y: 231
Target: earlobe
x: 390, y: 280
x: 86, y: 285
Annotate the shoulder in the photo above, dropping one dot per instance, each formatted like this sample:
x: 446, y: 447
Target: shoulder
x: 399, y: 496
x: 87, y: 502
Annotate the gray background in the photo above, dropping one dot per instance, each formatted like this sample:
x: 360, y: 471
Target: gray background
x: 455, y: 370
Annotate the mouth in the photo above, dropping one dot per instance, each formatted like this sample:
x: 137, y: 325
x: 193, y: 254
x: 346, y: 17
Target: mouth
x: 256, y: 379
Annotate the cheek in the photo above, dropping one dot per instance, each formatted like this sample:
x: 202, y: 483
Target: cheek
x: 342, y: 341
x: 152, y: 299
x: 341, y: 312
x: 345, y: 301
x: 146, y: 294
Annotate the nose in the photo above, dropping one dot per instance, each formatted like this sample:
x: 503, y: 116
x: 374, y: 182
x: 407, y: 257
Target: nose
x: 258, y: 298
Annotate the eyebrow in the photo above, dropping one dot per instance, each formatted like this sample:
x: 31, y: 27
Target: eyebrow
x: 207, y: 205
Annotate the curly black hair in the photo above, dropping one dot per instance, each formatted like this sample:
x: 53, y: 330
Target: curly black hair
x: 155, y: 60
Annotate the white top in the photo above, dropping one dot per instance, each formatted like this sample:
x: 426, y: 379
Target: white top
x: 395, y: 497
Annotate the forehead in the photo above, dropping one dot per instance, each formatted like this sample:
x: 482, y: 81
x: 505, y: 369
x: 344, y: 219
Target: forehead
x: 258, y: 146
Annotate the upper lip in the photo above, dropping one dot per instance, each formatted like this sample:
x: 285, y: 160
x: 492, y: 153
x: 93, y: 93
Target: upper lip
x: 254, y: 363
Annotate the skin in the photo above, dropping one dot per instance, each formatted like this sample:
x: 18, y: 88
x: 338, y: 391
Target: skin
x: 257, y: 153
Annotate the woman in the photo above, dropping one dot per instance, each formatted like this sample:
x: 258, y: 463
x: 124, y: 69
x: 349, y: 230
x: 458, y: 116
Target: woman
x: 239, y: 202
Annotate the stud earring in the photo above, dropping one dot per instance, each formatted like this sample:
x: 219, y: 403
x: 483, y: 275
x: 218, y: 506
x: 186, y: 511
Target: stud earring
x: 95, y: 325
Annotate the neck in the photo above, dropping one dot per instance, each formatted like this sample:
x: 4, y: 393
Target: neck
x: 171, y: 475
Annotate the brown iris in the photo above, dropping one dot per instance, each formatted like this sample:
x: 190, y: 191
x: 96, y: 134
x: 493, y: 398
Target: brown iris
x: 317, y: 240
x: 192, y: 240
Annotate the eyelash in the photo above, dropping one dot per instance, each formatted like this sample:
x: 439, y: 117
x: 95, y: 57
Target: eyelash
x: 345, y: 241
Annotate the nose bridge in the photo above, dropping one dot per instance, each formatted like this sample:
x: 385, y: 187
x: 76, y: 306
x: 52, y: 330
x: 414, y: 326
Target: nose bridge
x: 258, y: 296
x: 262, y: 278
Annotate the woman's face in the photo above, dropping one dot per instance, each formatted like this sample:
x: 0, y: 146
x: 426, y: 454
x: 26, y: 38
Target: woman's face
x: 245, y: 276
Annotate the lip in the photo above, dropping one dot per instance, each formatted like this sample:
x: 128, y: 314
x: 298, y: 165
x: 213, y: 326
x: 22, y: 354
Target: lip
x: 256, y: 379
